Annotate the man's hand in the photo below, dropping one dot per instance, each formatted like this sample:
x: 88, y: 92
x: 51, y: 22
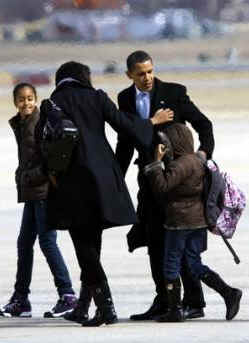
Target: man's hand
x: 162, y: 116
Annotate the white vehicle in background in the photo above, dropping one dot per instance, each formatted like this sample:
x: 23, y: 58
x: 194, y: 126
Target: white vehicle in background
x: 85, y: 26
x: 100, y: 26
x: 139, y: 27
x: 115, y: 25
x: 67, y: 26
x: 178, y: 23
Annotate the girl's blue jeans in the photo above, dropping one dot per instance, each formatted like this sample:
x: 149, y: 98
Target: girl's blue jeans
x: 34, y: 225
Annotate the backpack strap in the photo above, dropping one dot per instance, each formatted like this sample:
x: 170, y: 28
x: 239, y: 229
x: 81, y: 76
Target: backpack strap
x: 213, y: 192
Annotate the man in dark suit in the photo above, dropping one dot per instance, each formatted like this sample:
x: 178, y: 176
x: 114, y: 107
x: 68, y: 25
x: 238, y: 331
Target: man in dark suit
x: 146, y: 95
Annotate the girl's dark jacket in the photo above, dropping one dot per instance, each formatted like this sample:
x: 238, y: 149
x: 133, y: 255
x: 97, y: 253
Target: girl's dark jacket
x: 31, y: 181
x: 93, y: 191
x: 179, y: 187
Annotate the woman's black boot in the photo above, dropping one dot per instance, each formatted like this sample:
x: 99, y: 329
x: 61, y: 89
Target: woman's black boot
x: 230, y: 295
x: 80, y: 313
x: 105, y: 313
x: 174, y: 312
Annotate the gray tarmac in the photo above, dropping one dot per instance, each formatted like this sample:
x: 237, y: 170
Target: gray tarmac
x: 129, y: 274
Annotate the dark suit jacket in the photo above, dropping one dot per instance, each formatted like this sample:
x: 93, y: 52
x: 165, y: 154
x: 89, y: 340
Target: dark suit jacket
x: 95, y: 186
x: 165, y: 95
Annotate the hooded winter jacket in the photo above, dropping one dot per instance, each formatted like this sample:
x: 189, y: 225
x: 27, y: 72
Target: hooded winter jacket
x: 179, y: 187
x: 31, y: 180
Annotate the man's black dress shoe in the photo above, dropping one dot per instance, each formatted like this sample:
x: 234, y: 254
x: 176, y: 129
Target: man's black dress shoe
x: 156, y: 309
x: 192, y: 312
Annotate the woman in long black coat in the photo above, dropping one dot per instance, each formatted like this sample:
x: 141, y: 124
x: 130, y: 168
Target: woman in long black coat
x: 92, y: 195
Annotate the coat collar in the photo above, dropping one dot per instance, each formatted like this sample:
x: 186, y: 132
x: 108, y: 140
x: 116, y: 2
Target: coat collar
x: 15, y: 121
x: 71, y: 84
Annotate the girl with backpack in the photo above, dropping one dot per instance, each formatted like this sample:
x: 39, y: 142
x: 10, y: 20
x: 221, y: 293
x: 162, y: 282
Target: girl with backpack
x: 178, y: 189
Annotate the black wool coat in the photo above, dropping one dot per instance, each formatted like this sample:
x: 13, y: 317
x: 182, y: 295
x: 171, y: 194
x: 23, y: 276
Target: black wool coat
x: 93, y: 191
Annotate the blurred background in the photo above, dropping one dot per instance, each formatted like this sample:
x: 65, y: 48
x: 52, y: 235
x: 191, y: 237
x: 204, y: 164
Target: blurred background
x: 36, y: 36
x: 119, y: 20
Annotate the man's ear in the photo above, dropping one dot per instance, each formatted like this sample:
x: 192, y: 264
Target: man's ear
x: 128, y: 74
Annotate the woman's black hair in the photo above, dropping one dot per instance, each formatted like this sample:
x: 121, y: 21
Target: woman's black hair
x: 75, y: 70
x: 22, y: 85
x: 138, y: 56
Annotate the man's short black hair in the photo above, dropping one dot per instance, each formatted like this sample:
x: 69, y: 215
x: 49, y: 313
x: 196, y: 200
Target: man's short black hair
x: 138, y: 56
x: 75, y: 70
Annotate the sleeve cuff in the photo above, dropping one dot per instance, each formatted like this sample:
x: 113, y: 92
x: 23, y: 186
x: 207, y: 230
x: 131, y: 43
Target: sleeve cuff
x: 152, y: 166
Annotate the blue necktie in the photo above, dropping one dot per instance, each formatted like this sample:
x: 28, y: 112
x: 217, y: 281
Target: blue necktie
x: 142, y: 105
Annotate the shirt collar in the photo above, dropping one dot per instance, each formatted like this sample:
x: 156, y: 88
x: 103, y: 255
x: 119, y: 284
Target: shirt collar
x: 138, y: 91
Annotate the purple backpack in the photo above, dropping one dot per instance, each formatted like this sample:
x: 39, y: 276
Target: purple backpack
x: 225, y: 201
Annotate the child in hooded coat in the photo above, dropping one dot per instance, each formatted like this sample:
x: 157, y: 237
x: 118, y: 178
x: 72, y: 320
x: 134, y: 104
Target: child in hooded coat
x: 178, y: 189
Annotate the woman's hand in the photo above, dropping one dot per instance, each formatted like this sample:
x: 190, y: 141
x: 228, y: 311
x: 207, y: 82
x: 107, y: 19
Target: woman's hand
x: 160, y: 152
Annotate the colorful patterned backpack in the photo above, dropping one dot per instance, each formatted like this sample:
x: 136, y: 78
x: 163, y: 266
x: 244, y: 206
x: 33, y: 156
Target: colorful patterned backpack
x: 224, y: 201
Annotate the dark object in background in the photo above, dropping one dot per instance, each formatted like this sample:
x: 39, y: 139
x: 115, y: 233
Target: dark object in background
x: 110, y: 68
x: 202, y: 57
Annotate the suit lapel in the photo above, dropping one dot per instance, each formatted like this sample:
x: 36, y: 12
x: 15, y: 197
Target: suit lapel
x: 158, y: 99
x: 132, y: 98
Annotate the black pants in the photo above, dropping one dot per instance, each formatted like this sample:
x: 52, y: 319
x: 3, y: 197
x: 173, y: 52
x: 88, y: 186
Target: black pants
x: 87, y: 244
x: 150, y: 216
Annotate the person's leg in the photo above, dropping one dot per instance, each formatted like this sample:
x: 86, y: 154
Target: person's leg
x: 193, y: 293
x: 193, y: 297
x: 25, y: 251
x: 47, y: 240
x: 80, y: 313
x: 87, y: 247
x: 51, y: 251
x: 174, y: 251
x: 151, y: 219
x: 156, y: 255
x: 19, y: 305
x: 160, y: 302
x: 230, y: 295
